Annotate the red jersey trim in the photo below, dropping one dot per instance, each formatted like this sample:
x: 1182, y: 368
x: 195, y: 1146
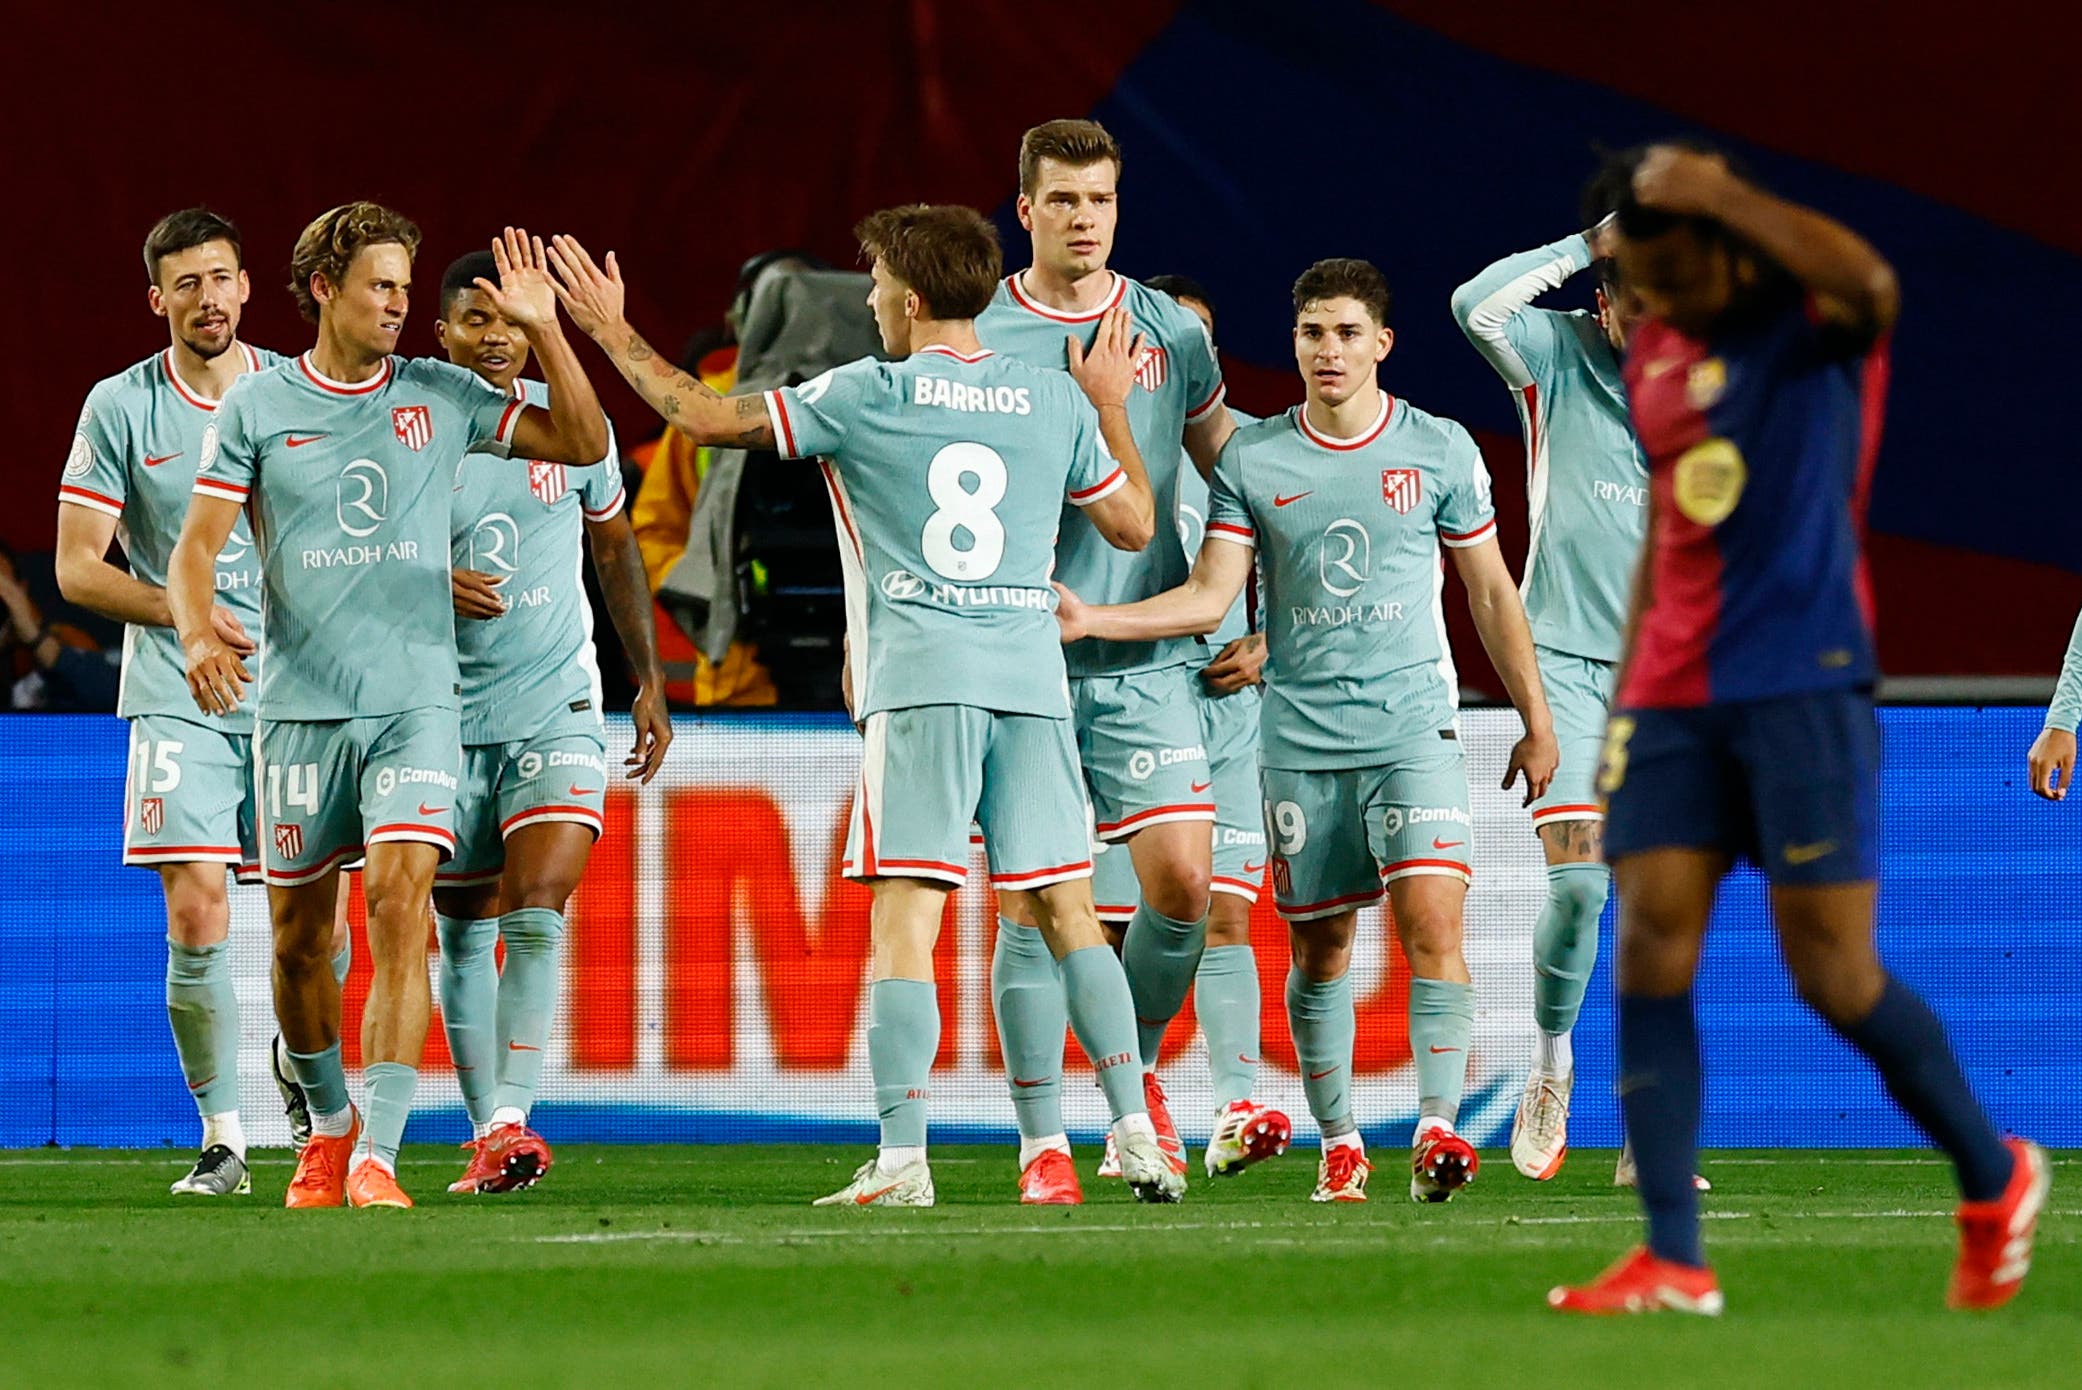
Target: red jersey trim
x: 1242, y: 535
x: 942, y: 350
x: 1099, y: 491
x: 1324, y: 441
x: 1042, y: 877
x: 1221, y: 390
x: 784, y: 432
x: 1112, y: 301
x: 1460, y: 540
x: 509, y: 420
x: 217, y: 487
x: 343, y: 388
x: 606, y: 513
x: 1328, y: 905
x: 92, y: 500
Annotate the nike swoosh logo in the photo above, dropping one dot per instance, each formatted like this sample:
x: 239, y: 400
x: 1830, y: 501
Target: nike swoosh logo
x: 151, y: 462
x: 426, y: 810
x: 1319, y: 1075
x: 1437, y: 1050
x: 867, y: 1198
x: 583, y: 791
x: 1026, y: 1085
x: 1199, y: 787
x: 1257, y: 868
x: 1285, y: 501
x: 1447, y: 844
x: 1253, y: 1061
x: 1807, y: 854
x: 520, y: 1047
x: 299, y: 441
x: 207, y: 1079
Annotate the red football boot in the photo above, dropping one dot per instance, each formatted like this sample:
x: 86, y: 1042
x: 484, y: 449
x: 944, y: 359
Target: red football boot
x: 1050, y: 1181
x: 1641, y: 1283
x: 1995, y: 1237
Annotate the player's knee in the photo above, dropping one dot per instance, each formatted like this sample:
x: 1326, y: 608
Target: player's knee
x: 1178, y: 888
x: 1228, y: 921
x: 302, y: 947
x: 196, y: 919
x: 540, y: 888
x: 1578, y: 892
x: 1430, y: 941
x: 1839, y: 982
x: 1320, y: 956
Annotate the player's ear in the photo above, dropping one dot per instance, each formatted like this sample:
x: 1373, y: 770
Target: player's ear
x: 1385, y: 344
x: 1025, y: 208
x: 913, y: 305
x: 156, y: 300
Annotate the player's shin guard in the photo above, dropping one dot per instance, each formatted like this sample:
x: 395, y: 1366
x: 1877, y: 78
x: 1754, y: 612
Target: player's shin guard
x: 1027, y: 995
x: 1565, y: 942
x: 1659, y: 1098
x: 534, y: 939
x: 1442, y: 1018
x: 1321, y: 1018
x: 468, y: 988
x: 325, y: 1086
x: 903, y: 1038
x: 1160, y: 955
x: 391, y: 1085
x: 1905, y: 1041
x: 203, y: 1007
x: 1103, y: 1014
x: 1226, y: 998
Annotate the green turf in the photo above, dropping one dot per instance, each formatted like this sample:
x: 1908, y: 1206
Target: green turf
x: 707, y: 1264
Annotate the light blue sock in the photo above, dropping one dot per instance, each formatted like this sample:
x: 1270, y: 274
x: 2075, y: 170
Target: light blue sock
x: 527, y: 1001
x: 324, y: 1081
x: 390, y: 1086
x: 1442, y: 1019
x: 903, y: 1038
x: 1159, y: 954
x: 343, y: 959
x: 1103, y: 1015
x: 1227, y: 999
x: 1026, y: 995
x: 1565, y: 942
x: 468, y: 983
x: 202, y: 1005
x: 1325, y: 1026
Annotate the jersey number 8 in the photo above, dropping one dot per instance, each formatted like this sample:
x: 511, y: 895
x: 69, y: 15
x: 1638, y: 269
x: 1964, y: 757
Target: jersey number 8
x: 964, y: 511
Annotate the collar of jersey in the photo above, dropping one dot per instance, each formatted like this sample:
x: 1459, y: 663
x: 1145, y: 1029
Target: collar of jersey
x: 181, y: 388
x: 342, y: 388
x: 1113, y: 299
x: 942, y: 350
x: 1324, y: 441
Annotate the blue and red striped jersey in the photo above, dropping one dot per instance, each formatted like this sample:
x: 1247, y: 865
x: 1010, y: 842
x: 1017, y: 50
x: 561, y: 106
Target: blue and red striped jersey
x: 1760, y: 445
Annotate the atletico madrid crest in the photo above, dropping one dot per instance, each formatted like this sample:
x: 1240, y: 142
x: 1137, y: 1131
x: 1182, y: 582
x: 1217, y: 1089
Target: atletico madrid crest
x: 546, y: 481
x: 289, y: 840
x: 413, y: 425
x: 1401, y: 487
x: 151, y: 813
x: 1152, y: 369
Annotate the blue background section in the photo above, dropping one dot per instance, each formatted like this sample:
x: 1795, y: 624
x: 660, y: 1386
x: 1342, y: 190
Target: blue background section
x: 1981, y: 909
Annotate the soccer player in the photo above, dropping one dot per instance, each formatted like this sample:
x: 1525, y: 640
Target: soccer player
x: 1346, y: 499
x: 1744, y: 723
x: 947, y: 469
x: 346, y: 459
x: 1225, y: 985
x: 534, y: 751
x: 188, y: 800
x: 2052, y: 758
x: 1588, y: 488
x: 1136, y: 706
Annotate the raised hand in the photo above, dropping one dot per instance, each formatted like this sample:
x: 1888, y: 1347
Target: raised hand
x: 1681, y: 181
x: 1106, y: 370
x: 594, y: 298
x: 525, y: 294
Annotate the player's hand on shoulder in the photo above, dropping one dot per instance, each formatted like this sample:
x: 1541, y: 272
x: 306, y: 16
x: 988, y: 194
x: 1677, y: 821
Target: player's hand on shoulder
x: 216, y: 677
x: 653, y: 734
x: 593, y: 296
x: 525, y: 293
x: 1603, y: 239
x: 1106, y: 370
x: 1681, y: 181
x: 2052, y: 763
x: 231, y: 631
x: 476, y: 594
x: 1239, y: 664
x: 1537, y: 755
x: 1070, y: 614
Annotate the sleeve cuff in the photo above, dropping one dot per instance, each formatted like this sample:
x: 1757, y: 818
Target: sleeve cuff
x: 1215, y: 398
x: 1230, y: 531
x: 1100, y: 491
x: 92, y: 501
x: 784, y: 432
x: 611, y: 510
x: 1461, y: 540
x: 217, y: 487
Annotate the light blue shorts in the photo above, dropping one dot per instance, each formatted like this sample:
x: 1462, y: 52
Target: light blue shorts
x: 188, y: 797
x: 506, y: 786
x: 330, y: 788
x: 1338, y: 837
x: 1579, y: 695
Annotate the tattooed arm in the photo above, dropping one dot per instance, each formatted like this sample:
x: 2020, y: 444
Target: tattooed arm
x: 595, y: 299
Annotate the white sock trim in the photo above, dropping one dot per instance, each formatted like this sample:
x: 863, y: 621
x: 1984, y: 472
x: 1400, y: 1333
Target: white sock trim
x: 1553, y: 1053
x: 1031, y: 1149
x: 224, y: 1128
x: 893, y: 1160
x: 1129, y: 1126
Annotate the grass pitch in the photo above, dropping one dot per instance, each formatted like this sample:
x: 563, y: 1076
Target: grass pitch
x: 678, y: 1265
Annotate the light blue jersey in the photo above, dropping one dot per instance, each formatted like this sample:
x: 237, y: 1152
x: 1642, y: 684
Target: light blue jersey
x: 1177, y: 382
x: 2066, y: 710
x: 134, y: 458
x: 1587, y: 479
x: 1192, y: 530
x: 948, y: 474
x: 532, y: 672
x: 348, y: 487
x: 1348, y: 534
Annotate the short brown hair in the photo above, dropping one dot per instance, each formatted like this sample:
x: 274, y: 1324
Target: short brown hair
x: 184, y: 231
x: 1072, y: 142
x: 1344, y: 277
x: 328, y: 246
x: 947, y: 254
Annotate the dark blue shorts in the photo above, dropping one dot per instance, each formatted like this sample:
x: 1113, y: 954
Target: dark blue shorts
x: 1791, y: 784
